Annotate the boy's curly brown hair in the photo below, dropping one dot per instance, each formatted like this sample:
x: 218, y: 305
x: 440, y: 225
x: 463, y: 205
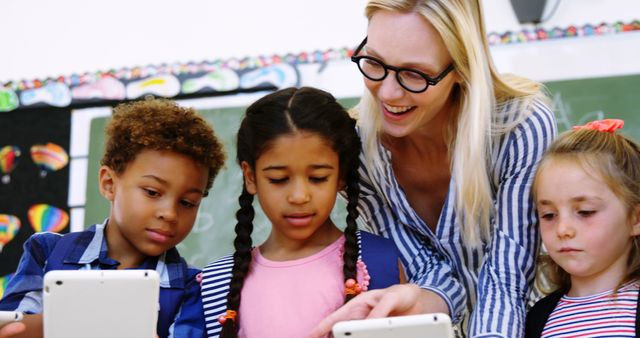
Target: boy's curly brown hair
x: 160, y: 124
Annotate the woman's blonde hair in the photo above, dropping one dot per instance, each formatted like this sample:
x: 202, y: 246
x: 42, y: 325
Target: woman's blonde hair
x: 611, y: 157
x: 489, y: 104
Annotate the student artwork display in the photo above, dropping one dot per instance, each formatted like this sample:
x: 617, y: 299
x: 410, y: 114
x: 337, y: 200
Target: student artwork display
x: 9, y: 156
x: 3, y: 283
x: 225, y: 76
x: 42, y: 217
x: 49, y: 157
x: 8, y: 99
x: 47, y: 218
x: 539, y: 34
x: 9, y: 226
x: 34, y: 176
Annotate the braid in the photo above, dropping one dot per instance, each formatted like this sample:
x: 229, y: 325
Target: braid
x: 351, y: 240
x: 241, y: 259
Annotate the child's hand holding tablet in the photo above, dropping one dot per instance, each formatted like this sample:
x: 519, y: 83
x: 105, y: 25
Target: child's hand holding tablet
x: 8, y: 317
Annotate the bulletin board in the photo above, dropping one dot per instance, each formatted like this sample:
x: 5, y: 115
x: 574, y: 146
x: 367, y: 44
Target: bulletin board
x: 578, y: 101
x: 34, y: 179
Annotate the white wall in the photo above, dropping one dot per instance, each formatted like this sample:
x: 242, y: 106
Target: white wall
x: 500, y: 17
x: 568, y: 58
x: 66, y: 36
x: 44, y: 38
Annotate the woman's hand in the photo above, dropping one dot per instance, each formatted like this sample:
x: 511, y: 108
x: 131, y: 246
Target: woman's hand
x: 396, y: 300
x: 12, y: 329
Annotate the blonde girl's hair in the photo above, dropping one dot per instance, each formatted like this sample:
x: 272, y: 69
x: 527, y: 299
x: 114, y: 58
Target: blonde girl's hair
x: 611, y: 157
x: 489, y: 104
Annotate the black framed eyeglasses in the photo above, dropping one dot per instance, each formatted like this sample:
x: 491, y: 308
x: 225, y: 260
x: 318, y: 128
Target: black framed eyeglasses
x: 412, y: 80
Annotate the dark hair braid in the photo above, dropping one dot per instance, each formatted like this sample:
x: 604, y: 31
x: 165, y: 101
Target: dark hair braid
x: 351, y: 240
x: 241, y: 259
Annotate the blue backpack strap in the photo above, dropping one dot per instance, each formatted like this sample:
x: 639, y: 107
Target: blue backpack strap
x: 381, y: 257
x: 180, y: 301
x: 171, y: 300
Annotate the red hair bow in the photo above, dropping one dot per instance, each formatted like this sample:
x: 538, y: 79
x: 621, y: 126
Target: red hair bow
x: 606, y: 125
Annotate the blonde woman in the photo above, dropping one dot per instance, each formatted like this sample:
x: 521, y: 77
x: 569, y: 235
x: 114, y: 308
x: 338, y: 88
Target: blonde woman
x: 449, y: 151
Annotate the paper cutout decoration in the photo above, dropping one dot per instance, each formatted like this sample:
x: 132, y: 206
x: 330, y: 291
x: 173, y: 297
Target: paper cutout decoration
x: 53, y: 93
x: 8, y: 161
x: 281, y: 75
x: 107, y: 88
x: 9, y: 226
x: 4, y: 280
x: 161, y: 85
x: 45, y: 217
x: 8, y: 100
x: 221, y: 80
x: 49, y: 157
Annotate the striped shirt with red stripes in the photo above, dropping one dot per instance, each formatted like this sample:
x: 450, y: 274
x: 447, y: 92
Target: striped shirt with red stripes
x: 601, y: 315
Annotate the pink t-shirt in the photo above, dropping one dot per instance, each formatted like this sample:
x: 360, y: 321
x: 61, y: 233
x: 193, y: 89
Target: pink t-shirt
x: 289, y: 298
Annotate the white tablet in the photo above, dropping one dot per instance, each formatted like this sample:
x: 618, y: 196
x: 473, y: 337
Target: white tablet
x: 101, y: 303
x: 7, y: 317
x: 433, y: 325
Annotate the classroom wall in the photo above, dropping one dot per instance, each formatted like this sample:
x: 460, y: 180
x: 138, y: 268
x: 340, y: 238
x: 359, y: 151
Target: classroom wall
x: 51, y: 38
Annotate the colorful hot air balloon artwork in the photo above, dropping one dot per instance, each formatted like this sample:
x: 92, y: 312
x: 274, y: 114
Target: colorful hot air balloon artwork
x: 4, y: 280
x: 45, y: 217
x: 8, y: 161
x: 9, y: 226
x: 49, y: 157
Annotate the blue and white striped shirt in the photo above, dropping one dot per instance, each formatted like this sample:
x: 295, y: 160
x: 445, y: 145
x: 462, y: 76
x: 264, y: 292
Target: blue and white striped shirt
x: 487, y: 286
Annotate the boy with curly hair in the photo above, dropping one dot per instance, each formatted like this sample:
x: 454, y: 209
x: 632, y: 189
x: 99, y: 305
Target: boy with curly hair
x: 159, y: 163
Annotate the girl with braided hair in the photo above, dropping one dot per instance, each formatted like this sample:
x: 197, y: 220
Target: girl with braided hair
x: 298, y: 148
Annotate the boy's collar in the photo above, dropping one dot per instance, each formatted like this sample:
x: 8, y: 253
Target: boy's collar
x: 93, y: 247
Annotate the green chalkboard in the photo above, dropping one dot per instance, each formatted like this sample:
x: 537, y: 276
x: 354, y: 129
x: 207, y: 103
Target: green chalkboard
x: 574, y: 102
x: 213, y: 232
x: 579, y: 101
